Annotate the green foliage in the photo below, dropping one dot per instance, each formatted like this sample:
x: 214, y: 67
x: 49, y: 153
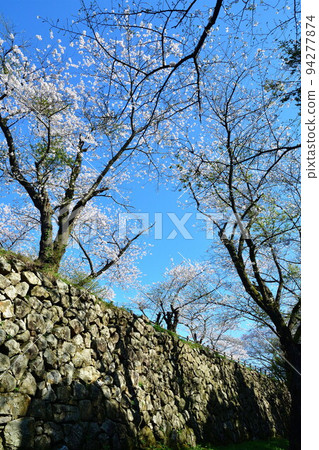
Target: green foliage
x: 80, y: 280
x: 192, y: 344
x: 51, y: 156
x: 164, y: 330
x: 11, y: 256
x: 272, y: 444
x: 291, y: 55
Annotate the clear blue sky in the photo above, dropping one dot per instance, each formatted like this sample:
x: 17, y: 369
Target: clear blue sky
x: 22, y: 15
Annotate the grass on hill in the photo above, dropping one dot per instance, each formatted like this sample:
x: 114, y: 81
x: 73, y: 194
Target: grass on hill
x: 272, y: 444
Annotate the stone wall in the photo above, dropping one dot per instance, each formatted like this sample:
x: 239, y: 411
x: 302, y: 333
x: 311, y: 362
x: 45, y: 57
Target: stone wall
x: 76, y: 373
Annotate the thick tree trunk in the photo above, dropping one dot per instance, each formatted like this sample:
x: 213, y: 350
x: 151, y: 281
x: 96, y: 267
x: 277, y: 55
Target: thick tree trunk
x: 171, y: 318
x: 295, y: 415
x: 293, y: 355
x: 51, y: 251
x: 46, y: 242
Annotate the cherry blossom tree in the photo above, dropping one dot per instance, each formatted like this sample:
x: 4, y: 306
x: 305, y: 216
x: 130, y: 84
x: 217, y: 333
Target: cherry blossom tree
x: 80, y: 121
x: 243, y: 174
x: 191, y: 300
x: 184, y: 297
x: 178, y: 31
x: 263, y: 348
x: 75, y: 131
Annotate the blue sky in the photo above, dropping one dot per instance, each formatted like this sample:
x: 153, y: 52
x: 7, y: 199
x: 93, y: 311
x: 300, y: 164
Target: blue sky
x: 150, y: 199
x: 22, y: 14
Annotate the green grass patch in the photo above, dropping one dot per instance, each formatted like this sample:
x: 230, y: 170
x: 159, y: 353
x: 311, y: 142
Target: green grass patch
x: 191, y: 344
x: 272, y: 444
x: 11, y: 256
x: 164, y: 330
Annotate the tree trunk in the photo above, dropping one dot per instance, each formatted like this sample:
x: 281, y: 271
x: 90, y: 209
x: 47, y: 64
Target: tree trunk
x: 51, y: 252
x: 46, y: 242
x: 295, y: 414
x: 293, y: 355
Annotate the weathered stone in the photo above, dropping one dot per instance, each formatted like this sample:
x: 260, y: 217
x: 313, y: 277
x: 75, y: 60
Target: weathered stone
x: 157, y: 419
x: 86, y: 410
x: 5, y: 267
x: 53, y: 431
x: 65, y: 301
x: 68, y: 347
x: 62, y: 287
x: 4, y: 419
x: 21, y: 324
x: 37, y: 366
x: 42, y: 342
x: 30, y: 350
x: 53, y: 377
x: 63, y: 333
x: 47, y: 315
x: 23, y: 337
x: 3, y: 336
x: 30, y: 278
x: 28, y: 385
x: 22, y: 289
x: 4, y: 282
x: 40, y: 409
x: 22, y: 308
x: 17, y: 265
x: 95, y: 332
x: 52, y: 340
x: 39, y: 292
x: 14, y: 404
x: 67, y: 371
x: 48, y: 394
x: 12, y: 347
x: 47, y: 283
x: 35, y: 304
x: 88, y: 374
x: 109, y: 427
x: 146, y: 438
x: 101, y: 344
x: 7, y: 382
x: 11, y: 292
x: 112, y: 409
x: 50, y: 357
x: 19, y: 433
x: 42, y: 442
x: 10, y: 328
x: 6, y: 309
x: 78, y: 340
x: 35, y: 322
x: 14, y: 278
x: 76, y: 326
x: 87, y: 340
x: 73, y: 435
x: 82, y: 357
x: 65, y: 413
x: 63, y: 393
x: 139, y: 325
x: 19, y: 365
x: 120, y: 381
